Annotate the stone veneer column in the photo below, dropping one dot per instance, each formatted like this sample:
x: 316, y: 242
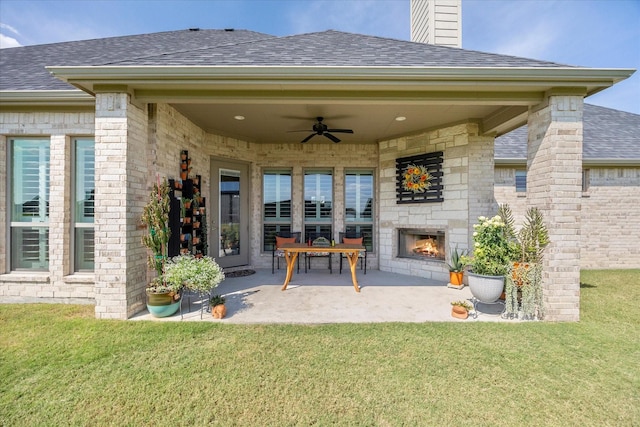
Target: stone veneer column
x: 121, y: 192
x: 481, y: 180
x: 554, y: 174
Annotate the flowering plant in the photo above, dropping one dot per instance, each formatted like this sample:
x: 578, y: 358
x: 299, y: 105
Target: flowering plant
x: 493, y: 250
x: 416, y: 179
x: 198, y: 274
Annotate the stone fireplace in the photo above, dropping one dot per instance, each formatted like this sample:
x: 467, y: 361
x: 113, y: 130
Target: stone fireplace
x: 425, y: 244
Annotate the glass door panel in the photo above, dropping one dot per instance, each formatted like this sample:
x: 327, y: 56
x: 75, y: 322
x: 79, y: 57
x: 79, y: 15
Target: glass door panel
x: 230, y: 213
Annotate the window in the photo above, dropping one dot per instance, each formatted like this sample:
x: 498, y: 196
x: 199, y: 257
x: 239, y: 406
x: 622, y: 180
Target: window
x: 585, y: 180
x: 521, y: 181
x: 276, y: 208
x: 318, y: 203
x: 358, y: 202
x: 83, y: 202
x: 29, y: 201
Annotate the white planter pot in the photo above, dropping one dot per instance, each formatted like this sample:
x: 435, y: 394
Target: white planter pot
x: 486, y: 289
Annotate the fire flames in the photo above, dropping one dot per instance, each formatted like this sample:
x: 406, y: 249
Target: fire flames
x: 426, y: 247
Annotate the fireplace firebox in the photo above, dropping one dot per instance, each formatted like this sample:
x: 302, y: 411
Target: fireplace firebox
x: 421, y: 244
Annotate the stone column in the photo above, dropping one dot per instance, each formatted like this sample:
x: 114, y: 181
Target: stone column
x: 121, y: 192
x: 481, y: 179
x: 554, y: 174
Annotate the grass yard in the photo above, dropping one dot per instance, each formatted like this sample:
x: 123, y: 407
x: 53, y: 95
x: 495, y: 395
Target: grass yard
x: 60, y: 366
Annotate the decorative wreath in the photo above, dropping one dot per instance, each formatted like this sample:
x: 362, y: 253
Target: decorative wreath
x: 416, y: 179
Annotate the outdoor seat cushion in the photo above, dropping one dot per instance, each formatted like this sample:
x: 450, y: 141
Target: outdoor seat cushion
x: 353, y: 241
x: 320, y: 242
x: 283, y: 240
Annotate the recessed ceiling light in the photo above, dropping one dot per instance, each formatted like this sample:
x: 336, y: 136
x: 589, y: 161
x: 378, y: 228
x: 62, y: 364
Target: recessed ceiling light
x: 238, y: 117
x: 401, y: 119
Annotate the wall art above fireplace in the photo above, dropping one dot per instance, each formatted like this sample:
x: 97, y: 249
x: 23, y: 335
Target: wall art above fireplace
x: 419, y: 178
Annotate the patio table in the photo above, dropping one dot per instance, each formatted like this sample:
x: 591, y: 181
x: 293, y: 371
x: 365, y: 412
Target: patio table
x: 292, y: 250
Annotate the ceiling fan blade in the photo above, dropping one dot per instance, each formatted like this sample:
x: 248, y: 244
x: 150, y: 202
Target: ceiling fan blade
x: 308, y: 138
x: 340, y: 130
x: 331, y: 137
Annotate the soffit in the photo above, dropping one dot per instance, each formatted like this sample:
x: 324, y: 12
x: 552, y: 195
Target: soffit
x: 276, y: 100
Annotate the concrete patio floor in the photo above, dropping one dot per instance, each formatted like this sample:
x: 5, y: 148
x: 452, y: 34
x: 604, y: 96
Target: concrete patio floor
x: 319, y: 297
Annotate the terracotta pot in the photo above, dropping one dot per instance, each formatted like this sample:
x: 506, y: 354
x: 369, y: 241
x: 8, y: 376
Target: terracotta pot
x: 219, y: 311
x: 187, y: 220
x: 183, y: 175
x: 459, y: 312
x: 455, y: 278
x: 187, y: 205
x: 517, y: 273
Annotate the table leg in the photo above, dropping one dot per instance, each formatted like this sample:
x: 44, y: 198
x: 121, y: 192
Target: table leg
x: 290, y: 257
x: 353, y: 263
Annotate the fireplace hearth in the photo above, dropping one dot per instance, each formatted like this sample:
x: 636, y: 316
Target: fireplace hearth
x: 424, y: 244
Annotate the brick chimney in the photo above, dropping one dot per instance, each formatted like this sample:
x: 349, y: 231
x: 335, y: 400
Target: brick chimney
x: 437, y: 22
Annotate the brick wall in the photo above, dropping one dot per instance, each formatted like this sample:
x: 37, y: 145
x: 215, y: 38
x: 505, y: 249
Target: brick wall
x: 554, y: 186
x: 609, y: 215
x: 121, y: 192
x: 59, y: 283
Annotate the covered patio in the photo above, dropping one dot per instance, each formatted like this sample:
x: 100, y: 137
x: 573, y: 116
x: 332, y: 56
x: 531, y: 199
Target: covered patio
x: 319, y: 297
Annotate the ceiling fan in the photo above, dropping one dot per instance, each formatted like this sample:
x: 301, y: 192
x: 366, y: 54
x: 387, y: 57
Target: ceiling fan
x: 322, y: 129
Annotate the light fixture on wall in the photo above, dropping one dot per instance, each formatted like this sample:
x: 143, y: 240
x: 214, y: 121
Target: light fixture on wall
x: 238, y: 117
x: 400, y: 118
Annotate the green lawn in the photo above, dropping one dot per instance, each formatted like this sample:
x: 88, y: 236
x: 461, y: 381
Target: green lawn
x: 60, y: 366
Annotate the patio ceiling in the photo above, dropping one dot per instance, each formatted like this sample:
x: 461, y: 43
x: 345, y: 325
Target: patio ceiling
x: 277, y: 100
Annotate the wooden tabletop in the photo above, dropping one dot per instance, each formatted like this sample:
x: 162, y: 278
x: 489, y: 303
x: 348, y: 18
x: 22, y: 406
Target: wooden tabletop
x: 303, y: 247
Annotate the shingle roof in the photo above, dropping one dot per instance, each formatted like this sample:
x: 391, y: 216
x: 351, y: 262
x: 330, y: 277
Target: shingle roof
x: 336, y: 48
x: 22, y: 68
x: 607, y: 134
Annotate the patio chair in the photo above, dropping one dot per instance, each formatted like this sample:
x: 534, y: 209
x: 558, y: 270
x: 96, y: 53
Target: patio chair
x: 276, y: 254
x: 355, y: 239
x: 322, y: 240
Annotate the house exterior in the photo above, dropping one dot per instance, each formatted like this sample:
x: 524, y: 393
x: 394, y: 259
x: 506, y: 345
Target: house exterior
x: 610, y: 198
x: 87, y: 127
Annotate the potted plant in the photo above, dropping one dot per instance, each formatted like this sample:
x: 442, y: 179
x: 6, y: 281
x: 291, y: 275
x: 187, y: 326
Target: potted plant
x: 218, y: 309
x: 456, y: 268
x: 197, y: 274
x: 524, y: 278
x: 460, y: 309
x: 492, y: 254
x: 163, y: 299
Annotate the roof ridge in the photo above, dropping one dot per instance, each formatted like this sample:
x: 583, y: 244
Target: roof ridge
x: 266, y: 37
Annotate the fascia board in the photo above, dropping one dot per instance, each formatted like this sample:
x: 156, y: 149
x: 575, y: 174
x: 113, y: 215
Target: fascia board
x: 474, y: 75
x: 631, y: 162
x: 45, y: 97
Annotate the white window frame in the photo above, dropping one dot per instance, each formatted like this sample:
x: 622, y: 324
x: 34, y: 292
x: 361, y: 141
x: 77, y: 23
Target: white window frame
x: 41, y: 220
x: 77, y: 223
